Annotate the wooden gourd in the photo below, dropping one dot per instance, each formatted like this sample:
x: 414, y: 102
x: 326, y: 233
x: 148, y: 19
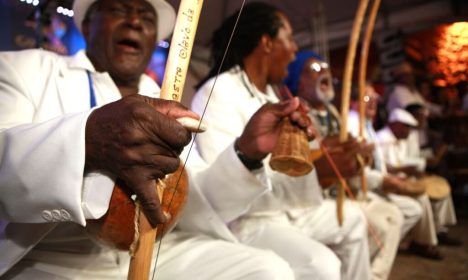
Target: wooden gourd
x: 117, y: 227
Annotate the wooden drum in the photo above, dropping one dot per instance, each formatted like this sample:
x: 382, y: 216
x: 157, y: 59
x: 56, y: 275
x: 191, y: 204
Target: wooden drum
x: 436, y: 187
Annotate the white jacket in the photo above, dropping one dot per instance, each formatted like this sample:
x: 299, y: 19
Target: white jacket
x: 233, y: 102
x: 396, y: 152
x: 44, y: 106
x: 374, y: 176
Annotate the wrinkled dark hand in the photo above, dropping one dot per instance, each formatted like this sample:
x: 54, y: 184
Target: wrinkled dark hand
x: 138, y: 140
x: 261, y: 133
x: 343, y: 155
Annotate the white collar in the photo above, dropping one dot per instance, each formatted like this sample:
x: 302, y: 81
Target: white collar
x: 81, y: 61
x: 264, y: 97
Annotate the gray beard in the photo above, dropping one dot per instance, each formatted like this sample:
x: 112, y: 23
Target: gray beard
x: 329, y: 94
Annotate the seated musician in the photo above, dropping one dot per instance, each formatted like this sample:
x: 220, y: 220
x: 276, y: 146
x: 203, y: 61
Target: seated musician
x: 60, y: 157
x: 410, y: 199
x: 438, y: 188
x: 310, y: 78
x: 394, y: 143
x: 293, y: 220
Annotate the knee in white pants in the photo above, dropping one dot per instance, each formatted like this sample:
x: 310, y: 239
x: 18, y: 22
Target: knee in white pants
x: 329, y: 266
x: 316, y: 262
x: 411, y: 208
x: 395, y: 216
x: 417, y: 210
x: 355, y: 223
x: 269, y: 266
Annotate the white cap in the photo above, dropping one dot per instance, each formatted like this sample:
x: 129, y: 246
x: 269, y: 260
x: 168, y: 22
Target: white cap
x: 402, y: 116
x: 165, y: 12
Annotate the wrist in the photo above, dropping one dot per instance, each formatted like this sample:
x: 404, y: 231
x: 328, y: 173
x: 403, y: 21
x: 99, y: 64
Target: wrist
x: 249, y: 163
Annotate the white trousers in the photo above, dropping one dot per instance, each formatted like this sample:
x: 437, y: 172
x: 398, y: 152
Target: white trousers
x: 295, y: 240
x: 424, y: 232
x: 385, y: 221
x: 411, y: 209
x: 435, y: 215
x: 444, y: 213
x: 182, y: 256
x: 203, y: 258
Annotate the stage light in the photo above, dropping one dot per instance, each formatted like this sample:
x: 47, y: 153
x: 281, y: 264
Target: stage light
x: 163, y: 44
x: 65, y: 11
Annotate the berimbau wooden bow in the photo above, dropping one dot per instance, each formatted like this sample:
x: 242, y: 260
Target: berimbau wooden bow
x: 172, y: 89
x: 346, y: 92
x: 362, y: 81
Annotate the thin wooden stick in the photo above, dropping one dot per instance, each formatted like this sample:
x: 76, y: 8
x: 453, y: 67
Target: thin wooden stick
x: 172, y: 89
x: 140, y: 263
x: 348, y: 71
x: 346, y: 91
x: 362, y: 81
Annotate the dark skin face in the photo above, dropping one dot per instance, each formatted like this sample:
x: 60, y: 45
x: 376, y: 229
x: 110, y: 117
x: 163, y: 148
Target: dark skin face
x: 420, y: 116
x: 283, y: 51
x: 307, y: 88
x: 400, y: 130
x: 371, y: 101
x: 121, y: 37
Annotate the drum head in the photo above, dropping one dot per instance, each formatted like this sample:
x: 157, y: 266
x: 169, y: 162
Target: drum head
x: 436, y: 187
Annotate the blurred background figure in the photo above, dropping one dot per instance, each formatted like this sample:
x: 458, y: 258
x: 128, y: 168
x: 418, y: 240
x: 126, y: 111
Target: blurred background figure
x: 403, y: 90
x: 53, y: 33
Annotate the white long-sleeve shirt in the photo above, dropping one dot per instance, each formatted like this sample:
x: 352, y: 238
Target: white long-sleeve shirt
x: 44, y: 197
x: 233, y: 102
x: 397, y: 152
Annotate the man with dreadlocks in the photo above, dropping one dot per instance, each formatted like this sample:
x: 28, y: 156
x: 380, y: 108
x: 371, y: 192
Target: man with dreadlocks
x: 291, y: 219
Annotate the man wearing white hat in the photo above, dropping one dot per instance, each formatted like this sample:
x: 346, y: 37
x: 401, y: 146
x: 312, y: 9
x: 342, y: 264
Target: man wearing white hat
x: 392, y: 139
x: 60, y: 156
x: 382, y: 186
x: 393, y: 142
